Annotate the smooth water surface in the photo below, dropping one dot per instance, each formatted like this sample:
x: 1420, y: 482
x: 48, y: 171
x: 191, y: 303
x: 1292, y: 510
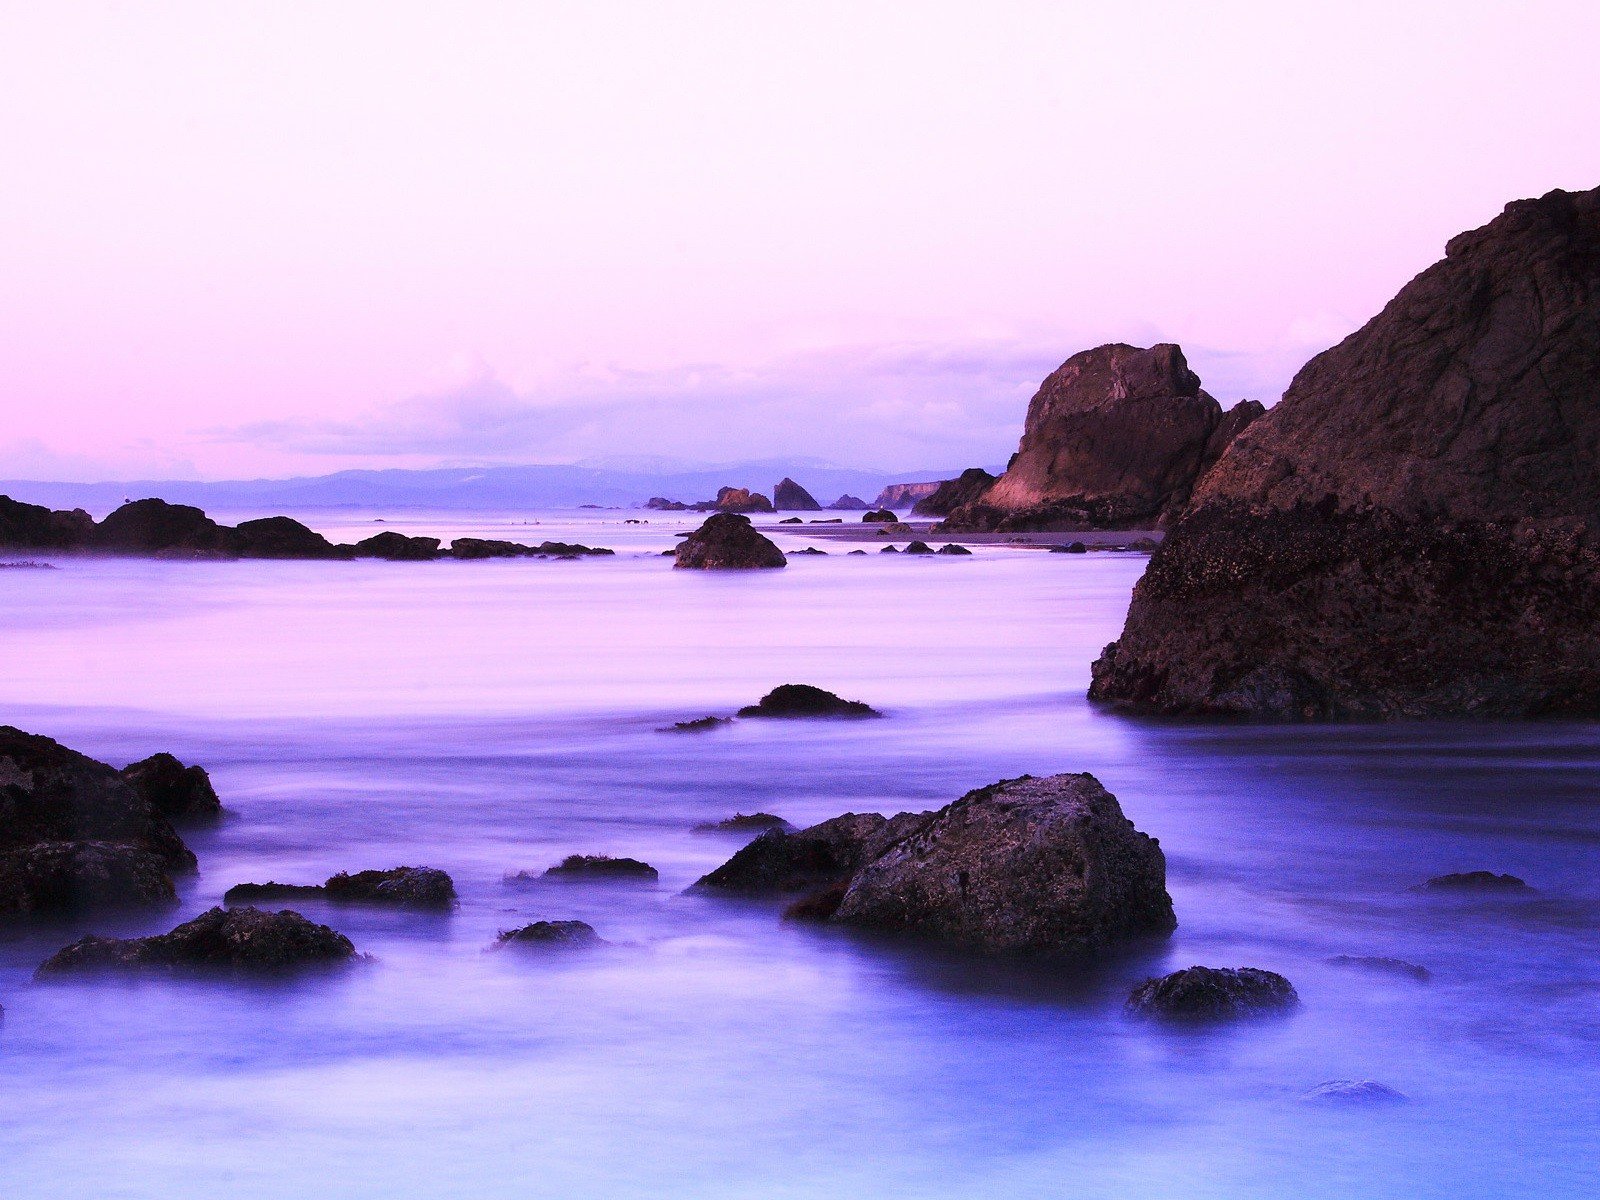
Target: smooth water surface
x: 494, y: 716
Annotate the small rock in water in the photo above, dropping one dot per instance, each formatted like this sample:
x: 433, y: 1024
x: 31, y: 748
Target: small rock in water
x: 803, y: 700
x: 740, y: 822
x: 810, y: 550
x: 885, y: 550
x: 570, y: 935
x: 919, y: 547
x: 419, y: 887
x: 1353, y: 1092
x: 1213, y: 994
x: 603, y: 866
x: 952, y: 548
x: 879, y: 516
x: 1381, y: 965
x: 698, y: 725
x: 1475, y: 881
x: 863, y: 551
x: 223, y: 939
x: 792, y: 521
x: 250, y: 893
x: 727, y: 541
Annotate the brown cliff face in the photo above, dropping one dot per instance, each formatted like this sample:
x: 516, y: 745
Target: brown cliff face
x: 1115, y: 438
x: 1412, y: 531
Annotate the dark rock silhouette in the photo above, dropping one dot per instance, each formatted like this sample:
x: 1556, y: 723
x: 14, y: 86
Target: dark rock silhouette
x: 789, y: 496
x: 1032, y: 866
x: 1204, y: 994
x: 253, y: 893
x: 1115, y: 438
x: 849, y: 503
x: 66, y: 877
x: 662, y: 504
x: 1380, y: 965
x: 415, y: 887
x: 398, y: 547
x: 1411, y: 531
x: 918, y: 547
x: 743, y: 823
x: 244, y: 940
x: 966, y: 488
x: 727, y: 541
x: 821, y: 856
x: 150, y: 526
x: 1476, y: 881
x: 477, y: 548
x: 952, y: 548
x: 565, y: 935
x: 34, y: 527
x: 602, y: 866
x: 172, y: 790
x: 698, y: 725
x: 880, y: 516
x: 803, y: 700
x: 282, y: 537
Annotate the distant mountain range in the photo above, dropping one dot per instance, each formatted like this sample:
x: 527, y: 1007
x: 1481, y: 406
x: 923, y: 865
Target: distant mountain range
x: 621, y: 483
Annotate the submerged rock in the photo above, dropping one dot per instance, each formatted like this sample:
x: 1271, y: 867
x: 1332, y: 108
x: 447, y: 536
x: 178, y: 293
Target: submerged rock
x: 799, y: 700
x: 1213, y: 994
x: 1382, y: 966
x: 1355, y: 1092
x: 789, y: 496
x: 565, y: 935
x: 238, y: 939
x: 1035, y: 866
x: 792, y: 521
x: 1476, y: 881
x: 1412, y: 530
x: 727, y: 541
x: 698, y: 725
x: 174, y: 791
x: 417, y: 887
x: 602, y: 866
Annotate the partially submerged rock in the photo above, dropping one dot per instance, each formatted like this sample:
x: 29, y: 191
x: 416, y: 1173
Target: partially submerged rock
x: 173, y: 790
x: 149, y: 526
x: 952, y: 548
x: 741, y: 500
x: 918, y: 547
x: 416, y: 887
x: 398, y: 547
x: 879, y: 516
x: 1476, y: 881
x: 282, y: 537
x: 727, y: 541
x: 698, y: 725
x: 782, y: 861
x: 244, y: 940
x: 1353, y: 1092
x: 1203, y: 994
x: 849, y: 503
x: 64, y: 877
x: 601, y: 866
x: 1381, y: 965
x: 258, y: 893
x: 35, y: 527
x: 743, y: 823
x: 803, y: 700
x: 564, y: 935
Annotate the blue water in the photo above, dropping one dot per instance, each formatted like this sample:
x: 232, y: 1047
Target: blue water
x: 495, y: 716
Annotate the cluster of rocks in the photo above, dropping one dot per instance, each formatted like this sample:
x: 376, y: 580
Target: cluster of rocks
x: 787, y: 496
x: 154, y: 527
x: 408, y: 887
x: 1414, y: 530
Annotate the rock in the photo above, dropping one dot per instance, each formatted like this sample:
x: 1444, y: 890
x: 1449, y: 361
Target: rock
x: 148, y: 526
x: 1213, y: 994
x: 905, y: 495
x: 415, y: 887
x: 1115, y: 438
x: 238, y: 939
x: 918, y: 547
x: 741, y: 500
x: 826, y: 521
x: 602, y: 866
x: 1382, y: 966
x: 1144, y: 545
x: 1476, y: 881
x: 1033, y: 866
x: 952, y: 548
x: 253, y: 893
x: 811, y: 550
x: 699, y: 725
x: 743, y: 823
x: 792, y: 521
x: 819, y: 906
x: 880, y: 516
x: 789, y: 496
x: 1411, y: 531
x: 566, y: 935
x: 890, y: 550
x: 728, y: 541
x: 853, y: 552
x: 802, y: 700
x: 398, y: 547
x: 782, y: 861
x: 34, y: 527
x: 1353, y: 1092
x: 849, y: 503
x: 473, y: 548
x: 966, y: 488
x: 662, y: 504
x: 281, y: 537
x: 66, y: 877
x: 172, y: 790
x: 569, y: 550
x: 49, y: 793
x: 1070, y: 548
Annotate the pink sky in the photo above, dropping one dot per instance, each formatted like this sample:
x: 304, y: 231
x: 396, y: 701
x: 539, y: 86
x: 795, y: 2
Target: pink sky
x: 243, y: 239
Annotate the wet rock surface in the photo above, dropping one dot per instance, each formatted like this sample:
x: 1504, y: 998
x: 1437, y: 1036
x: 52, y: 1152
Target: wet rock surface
x: 244, y: 940
x: 566, y: 935
x: 414, y: 887
x: 64, y: 877
x: 727, y: 541
x: 173, y: 790
x: 801, y: 700
x: 1207, y: 994
x: 817, y: 857
x: 601, y: 866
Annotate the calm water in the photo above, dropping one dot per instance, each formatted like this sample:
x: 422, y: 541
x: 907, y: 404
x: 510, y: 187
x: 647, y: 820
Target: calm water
x: 494, y: 716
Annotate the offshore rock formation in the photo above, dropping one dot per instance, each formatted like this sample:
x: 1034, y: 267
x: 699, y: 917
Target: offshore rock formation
x: 400, y: 887
x: 966, y: 488
x: 35, y: 527
x: 1029, y: 866
x: 728, y: 542
x: 789, y: 496
x: 904, y: 495
x: 800, y: 700
x: 243, y: 940
x: 738, y: 500
x: 1213, y: 994
x: 1412, y: 531
x: 1115, y: 438
x: 849, y: 503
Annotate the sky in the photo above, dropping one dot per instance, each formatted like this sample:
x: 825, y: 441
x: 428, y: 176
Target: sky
x: 264, y: 239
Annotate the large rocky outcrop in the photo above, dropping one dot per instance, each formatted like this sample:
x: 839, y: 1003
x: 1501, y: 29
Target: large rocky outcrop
x: 151, y: 526
x: 1412, y: 531
x: 966, y: 488
x: 904, y: 495
x: 283, y: 537
x: 34, y: 527
x: 789, y: 496
x: 727, y: 541
x: 1115, y: 438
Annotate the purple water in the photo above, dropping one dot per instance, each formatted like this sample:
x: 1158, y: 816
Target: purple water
x: 493, y: 716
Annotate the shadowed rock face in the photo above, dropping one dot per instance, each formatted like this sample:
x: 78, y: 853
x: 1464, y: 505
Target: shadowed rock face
x: 238, y: 940
x: 849, y: 503
x: 727, y: 541
x: 741, y: 500
x: 34, y: 527
x: 799, y: 700
x: 174, y: 791
x: 282, y: 537
x: 966, y: 488
x: 1204, y: 994
x: 1115, y: 438
x: 63, y: 877
x: 149, y: 526
x: 790, y: 496
x: 397, y: 547
x: 782, y: 861
x: 1412, y: 531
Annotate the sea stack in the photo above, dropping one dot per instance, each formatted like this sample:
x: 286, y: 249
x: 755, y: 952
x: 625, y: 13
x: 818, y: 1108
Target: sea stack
x: 1411, y: 532
x: 1115, y: 438
x: 789, y: 496
x: 727, y: 541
